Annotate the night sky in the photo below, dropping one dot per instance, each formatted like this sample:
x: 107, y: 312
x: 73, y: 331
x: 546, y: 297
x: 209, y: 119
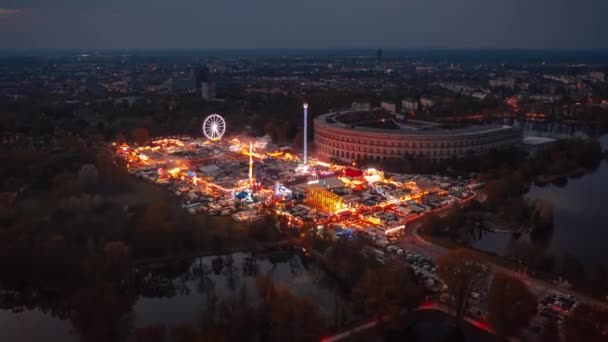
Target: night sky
x: 413, y: 24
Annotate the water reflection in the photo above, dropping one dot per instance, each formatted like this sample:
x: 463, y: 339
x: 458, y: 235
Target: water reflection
x: 182, y: 291
x: 579, y: 233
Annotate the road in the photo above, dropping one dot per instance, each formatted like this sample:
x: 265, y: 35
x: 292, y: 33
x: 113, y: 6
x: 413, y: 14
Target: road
x: 414, y: 242
x: 427, y: 306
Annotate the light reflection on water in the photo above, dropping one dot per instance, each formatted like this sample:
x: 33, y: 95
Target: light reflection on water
x: 304, y: 279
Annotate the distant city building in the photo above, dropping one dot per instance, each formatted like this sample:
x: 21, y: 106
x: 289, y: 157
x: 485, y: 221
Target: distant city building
x: 559, y: 78
x: 409, y: 105
x: 200, y: 75
x: 533, y: 145
x: 479, y: 95
x: 388, y: 106
x: 547, y: 98
x: 180, y: 85
x: 208, y: 91
x: 129, y: 100
x: 426, y: 102
x: 354, y: 135
x: 424, y: 69
x: 598, y: 76
x: 506, y: 82
x: 361, y: 105
x: 457, y: 88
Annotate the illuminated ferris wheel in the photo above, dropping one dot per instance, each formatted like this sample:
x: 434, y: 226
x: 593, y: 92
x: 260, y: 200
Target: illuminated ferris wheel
x: 214, y: 127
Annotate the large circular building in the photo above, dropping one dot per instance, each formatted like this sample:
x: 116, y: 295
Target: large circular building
x: 375, y: 134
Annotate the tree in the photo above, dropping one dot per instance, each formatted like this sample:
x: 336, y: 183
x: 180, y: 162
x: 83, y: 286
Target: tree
x: 400, y: 288
x: 550, y: 332
x: 510, y: 304
x: 88, y: 177
x: 598, y: 280
x: 184, y: 332
x: 542, y: 214
x: 283, y: 317
x: 271, y: 130
x: 151, y: 333
x: 140, y: 135
x: 120, y: 138
x: 587, y: 323
x: 116, y: 259
x: 463, y: 273
x: 431, y: 223
x: 365, y: 293
x: 298, y: 141
x: 65, y: 185
x: 344, y: 258
x: 101, y: 314
x: 387, y: 290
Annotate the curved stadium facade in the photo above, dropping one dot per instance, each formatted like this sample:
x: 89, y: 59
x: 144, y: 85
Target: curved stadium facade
x: 356, y: 135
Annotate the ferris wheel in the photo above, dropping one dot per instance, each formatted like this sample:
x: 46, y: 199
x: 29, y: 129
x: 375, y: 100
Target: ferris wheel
x: 214, y: 127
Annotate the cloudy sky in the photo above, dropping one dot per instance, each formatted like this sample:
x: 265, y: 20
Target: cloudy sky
x: 443, y: 24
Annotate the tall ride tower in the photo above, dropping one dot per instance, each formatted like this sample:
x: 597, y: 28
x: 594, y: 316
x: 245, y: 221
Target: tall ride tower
x: 305, y: 132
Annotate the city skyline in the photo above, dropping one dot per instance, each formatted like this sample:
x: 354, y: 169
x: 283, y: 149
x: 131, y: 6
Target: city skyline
x: 435, y: 24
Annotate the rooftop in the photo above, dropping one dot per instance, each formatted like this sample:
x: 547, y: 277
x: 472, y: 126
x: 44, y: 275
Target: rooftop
x: 378, y: 121
x: 537, y: 140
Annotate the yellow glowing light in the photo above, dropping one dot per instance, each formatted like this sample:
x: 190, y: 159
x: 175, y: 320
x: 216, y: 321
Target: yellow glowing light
x: 174, y: 172
x: 373, y: 175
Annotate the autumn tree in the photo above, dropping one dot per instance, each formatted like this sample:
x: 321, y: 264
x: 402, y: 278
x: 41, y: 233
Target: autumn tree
x: 184, y: 332
x: 511, y: 305
x: 151, y: 333
x: 271, y: 130
x: 101, y: 314
x: 463, y: 272
x: 389, y: 289
x: 550, y: 332
x: 293, y: 319
x: 365, y: 293
x: 598, y: 280
x: 431, y: 223
x: 586, y: 323
x: 400, y: 288
x: 120, y: 138
x: 154, y: 230
x: 140, y: 135
x: 65, y: 185
x: 116, y: 258
x: 88, y: 177
x: 345, y: 259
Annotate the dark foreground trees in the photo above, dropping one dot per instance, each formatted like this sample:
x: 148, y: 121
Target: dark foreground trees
x: 586, y: 323
x: 278, y: 316
x: 511, y: 305
x: 387, y: 290
x: 463, y: 272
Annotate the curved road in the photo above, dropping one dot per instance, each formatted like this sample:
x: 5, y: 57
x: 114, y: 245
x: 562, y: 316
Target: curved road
x: 414, y: 242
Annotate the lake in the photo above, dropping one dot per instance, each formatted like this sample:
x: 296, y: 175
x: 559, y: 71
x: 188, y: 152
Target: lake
x: 168, y: 297
x: 579, y: 219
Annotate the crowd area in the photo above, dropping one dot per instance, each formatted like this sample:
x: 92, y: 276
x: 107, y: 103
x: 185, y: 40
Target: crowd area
x: 248, y: 179
x: 233, y: 177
